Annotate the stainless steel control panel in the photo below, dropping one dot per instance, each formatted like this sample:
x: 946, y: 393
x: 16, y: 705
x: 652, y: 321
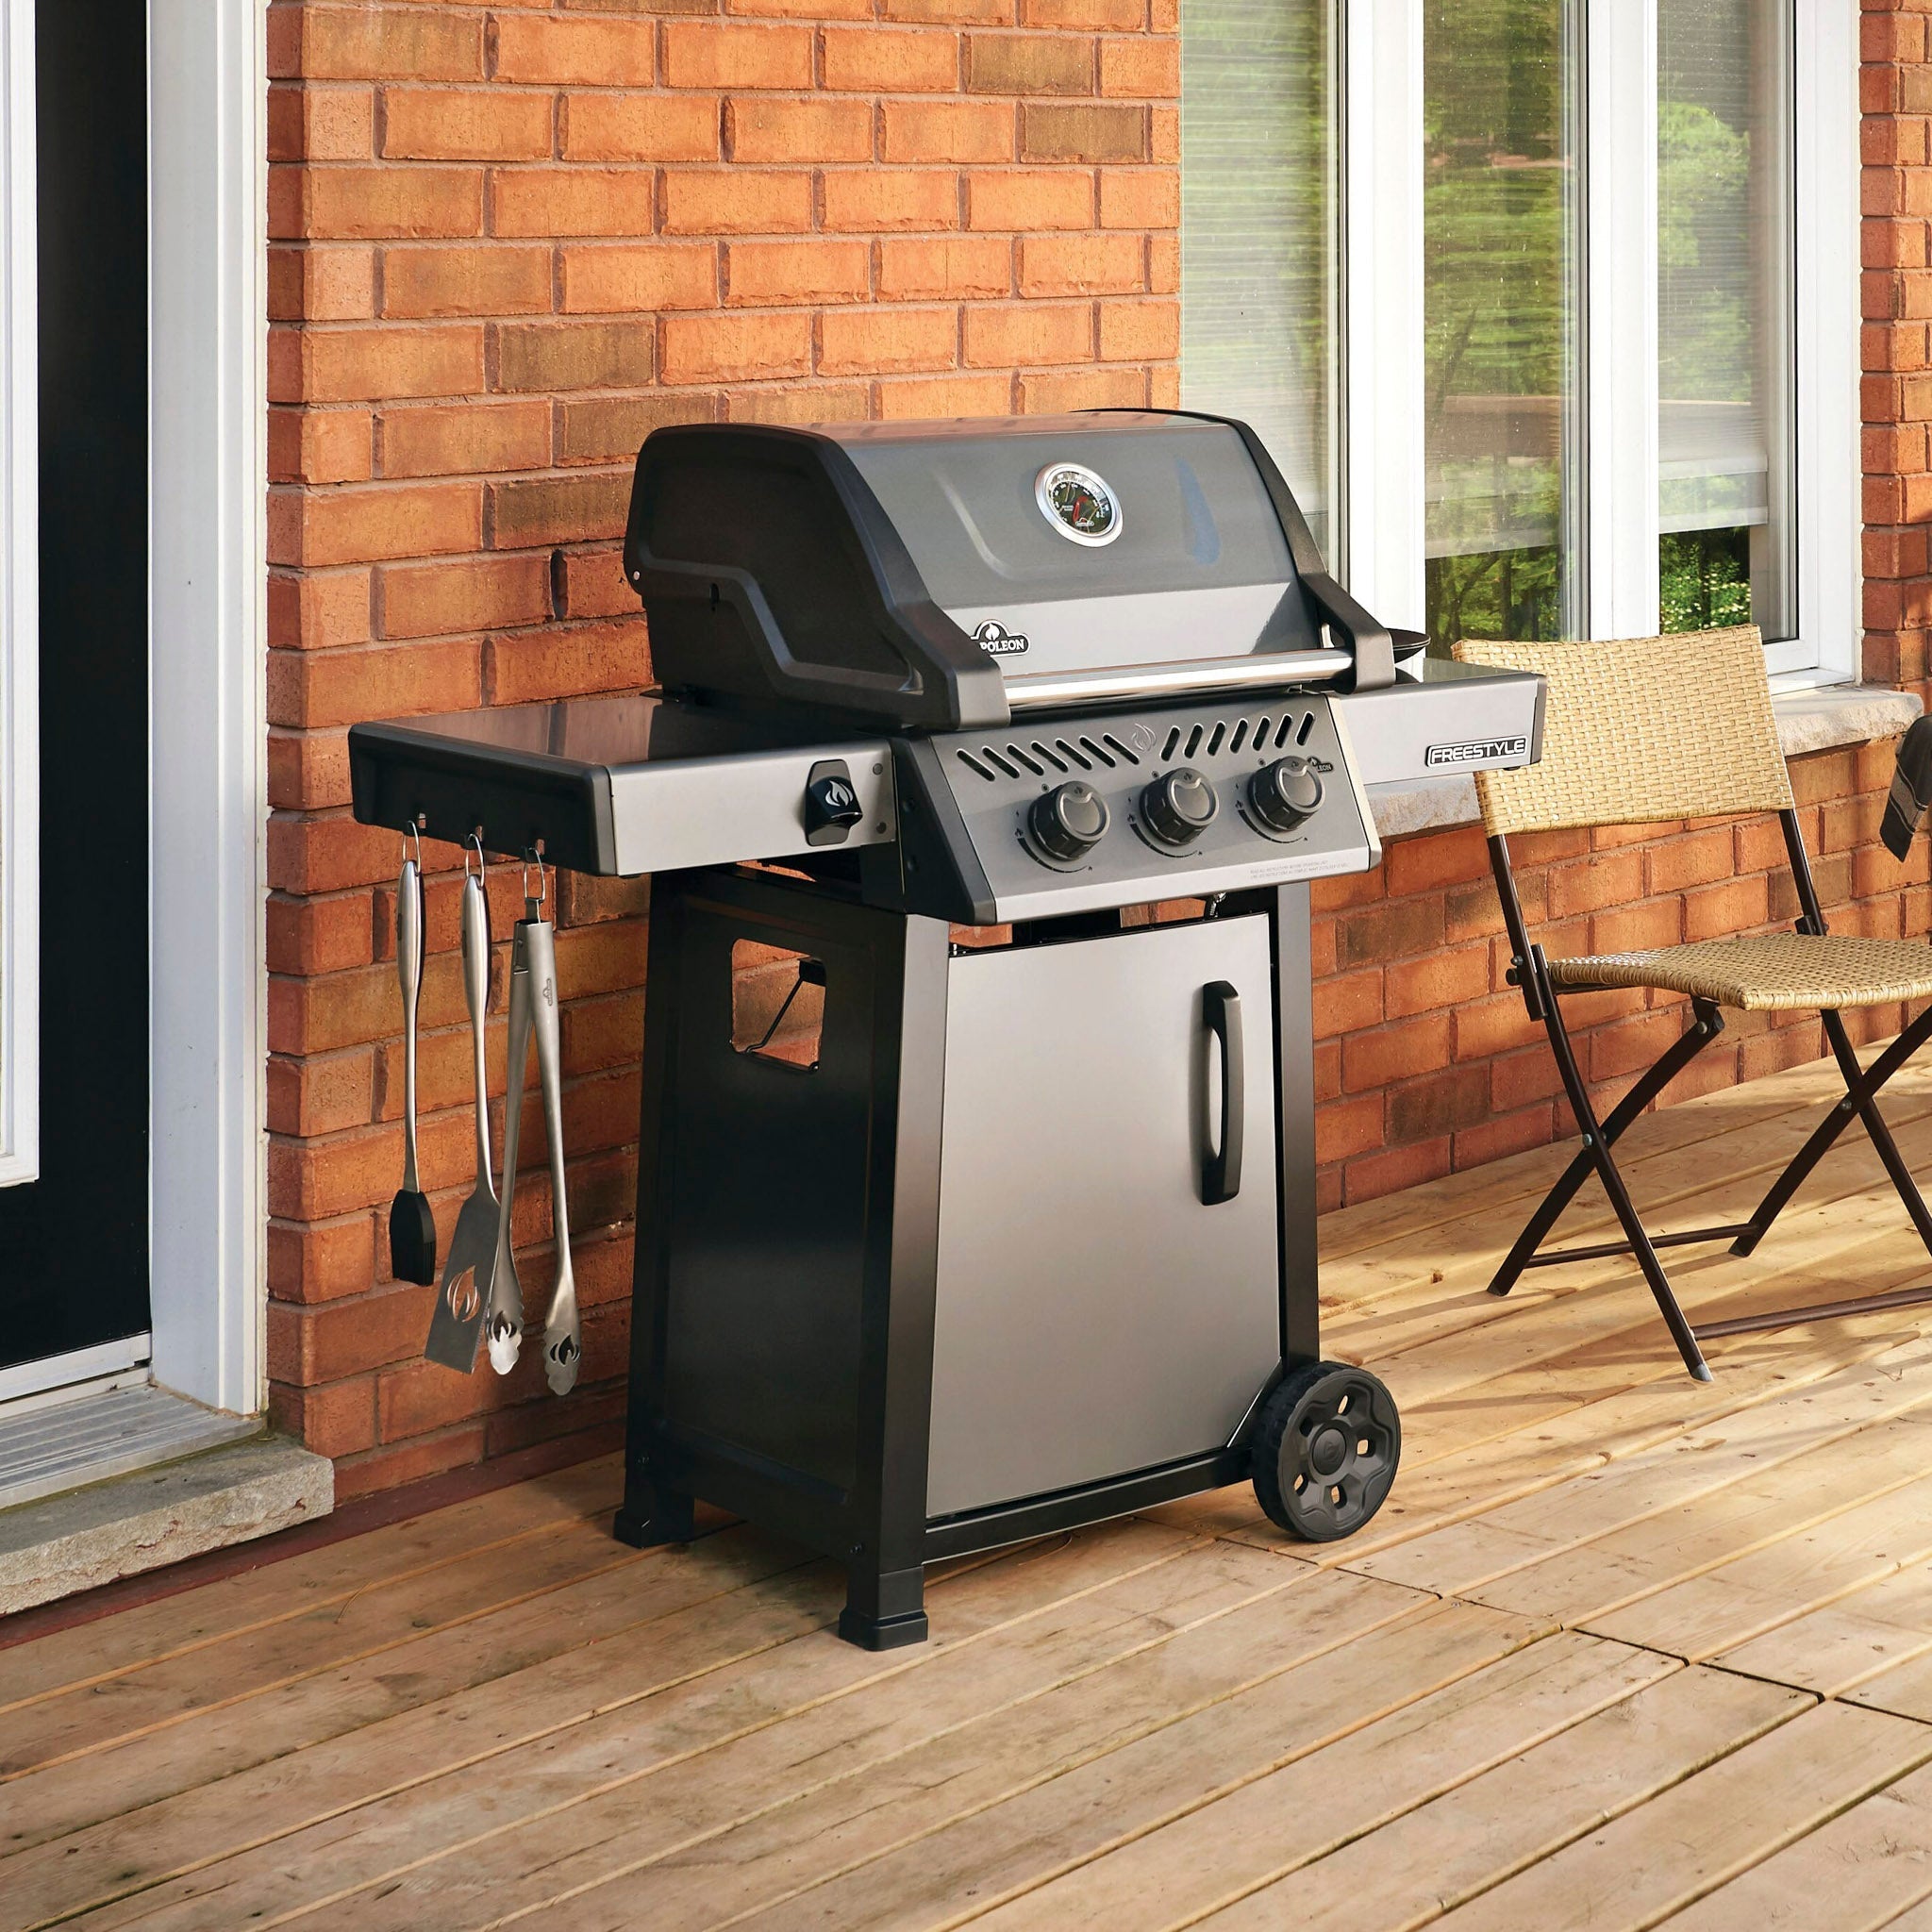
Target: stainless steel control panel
x: 1169, y: 803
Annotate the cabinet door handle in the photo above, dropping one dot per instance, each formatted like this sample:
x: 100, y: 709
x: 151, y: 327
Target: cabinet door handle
x: 1221, y: 1168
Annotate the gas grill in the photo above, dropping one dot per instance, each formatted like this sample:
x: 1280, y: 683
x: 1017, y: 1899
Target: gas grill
x: 988, y: 767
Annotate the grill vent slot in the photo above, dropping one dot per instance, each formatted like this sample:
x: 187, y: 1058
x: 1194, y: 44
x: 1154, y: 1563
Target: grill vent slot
x: 1106, y: 758
x: 1174, y: 738
x: 1117, y: 746
x: 1064, y: 756
x: 1301, y: 737
x: 1241, y: 732
x: 1053, y: 758
x: 974, y: 765
x: 1020, y: 756
x: 997, y: 763
x: 1282, y: 729
x: 1079, y: 758
x: 1194, y: 740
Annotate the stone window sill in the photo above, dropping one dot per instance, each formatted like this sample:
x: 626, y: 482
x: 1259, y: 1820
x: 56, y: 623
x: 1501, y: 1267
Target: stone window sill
x: 1807, y: 721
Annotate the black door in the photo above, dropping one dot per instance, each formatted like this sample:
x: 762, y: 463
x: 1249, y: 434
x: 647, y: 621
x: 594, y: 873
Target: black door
x: 73, y: 1244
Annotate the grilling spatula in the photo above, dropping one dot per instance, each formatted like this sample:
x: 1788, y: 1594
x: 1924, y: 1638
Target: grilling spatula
x: 563, y: 1335
x: 503, y: 1320
x: 467, y: 1274
x: 411, y: 1225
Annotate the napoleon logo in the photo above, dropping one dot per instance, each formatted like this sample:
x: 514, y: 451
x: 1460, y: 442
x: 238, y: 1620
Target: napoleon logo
x: 1477, y: 751
x: 839, y: 796
x: 994, y: 638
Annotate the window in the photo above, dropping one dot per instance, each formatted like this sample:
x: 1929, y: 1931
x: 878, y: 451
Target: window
x: 1547, y: 307
x: 1257, y: 254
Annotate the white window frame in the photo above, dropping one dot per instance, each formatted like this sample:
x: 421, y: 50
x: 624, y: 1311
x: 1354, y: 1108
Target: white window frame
x: 20, y: 627
x: 1382, y: 377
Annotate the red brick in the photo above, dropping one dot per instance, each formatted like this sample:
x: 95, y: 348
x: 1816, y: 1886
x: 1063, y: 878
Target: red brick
x: 1029, y: 332
x: 452, y: 281
x: 572, y: 201
x: 599, y: 428
x: 952, y: 266
x: 385, y: 44
x: 1346, y: 1004
x: 321, y: 123
x: 359, y: 525
x: 1720, y: 912
x: 768, y: 273
x: 1440, y: 980
x: 461, y: 124
x: 1082, y: 265
x: 1140, y: 198
x: 338, y: 1420
x: 793, y: 132
x: 721, y: 55
x: 887, y: 341
x: 1064, y: 392
x: 322, y: 1095
x: 579, y: 507
x: 870, y: 200
x: 465, y: 439
x: 353, y: 365
x: 408, y: 1462
x: 309, y: 688
x: 319, y: 935
x: 480, y: 593
x: 1028, y: 199
x: 1346, y: 1128
x: 876, y: 60
x: 573, y: 53
x: 319, y: 445
x: 737, y: 201
x: 1376, y: 1174
x: 1141, y: 68
x: 1056, y: 131
x: 395, y: 201
x: 1028, y: 63
x: 618, y: 277
x: 917, y: 398
x: 734, y: 349
x: 1375, y: 1057
x: 947, y: 131
x: 322, y: 608
x: 640, y: 127
x: 551, y: 356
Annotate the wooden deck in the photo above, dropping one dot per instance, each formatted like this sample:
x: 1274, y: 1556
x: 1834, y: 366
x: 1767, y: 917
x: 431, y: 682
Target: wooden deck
x: 1621, y: 1651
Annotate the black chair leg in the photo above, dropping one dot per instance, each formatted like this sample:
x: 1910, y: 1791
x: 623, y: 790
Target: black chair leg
x: 1825, y: 1136
x: 1705, y: 1025
x: 1863, y: 1093
x: 1596, y: 1147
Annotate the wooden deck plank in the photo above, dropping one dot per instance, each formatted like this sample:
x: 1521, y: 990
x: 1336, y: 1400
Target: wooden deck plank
x: 411, y: 1789
x: 1244, y: 1838
x: 1854, y: 1874
x: 138, y: 1702
x: 1504, y: 1820
x: 1698, y: 1835
x: 137, y: 1639
x: 941, y: 1739
x: 980, y: 1859
x: 419, y: 1669
x: 1685, y: 1465
x: 1761, y: 1590
x: 1834, y: 1650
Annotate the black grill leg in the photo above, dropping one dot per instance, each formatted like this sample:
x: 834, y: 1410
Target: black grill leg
x: 652, y: 1515
x: 883, y: 1609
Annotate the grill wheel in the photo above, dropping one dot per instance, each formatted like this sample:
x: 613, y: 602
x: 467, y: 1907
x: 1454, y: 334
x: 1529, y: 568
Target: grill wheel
x: 1326, y: 1445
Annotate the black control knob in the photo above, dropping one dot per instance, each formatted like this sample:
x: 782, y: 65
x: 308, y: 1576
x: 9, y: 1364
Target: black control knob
x: 1069, y: 820
x: 1285, y: 793
x: 1179, y: 806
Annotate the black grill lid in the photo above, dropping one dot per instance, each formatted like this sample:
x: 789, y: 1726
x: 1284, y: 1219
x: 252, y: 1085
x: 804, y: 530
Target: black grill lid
x: 903, y: 573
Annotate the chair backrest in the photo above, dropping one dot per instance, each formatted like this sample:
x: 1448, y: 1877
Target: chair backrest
x: 1638, y: 729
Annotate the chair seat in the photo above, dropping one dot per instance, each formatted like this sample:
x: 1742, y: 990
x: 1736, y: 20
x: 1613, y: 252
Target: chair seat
x: 1772, y: 972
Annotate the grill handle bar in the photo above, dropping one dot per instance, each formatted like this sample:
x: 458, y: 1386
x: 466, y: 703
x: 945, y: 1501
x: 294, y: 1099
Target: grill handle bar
x: 1221, y: 1168
x: 1034, y: 691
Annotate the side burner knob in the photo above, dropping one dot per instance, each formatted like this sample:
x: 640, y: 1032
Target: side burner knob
x: 1285, y: 793
x: 1069, y: 820
x: 1179, y: 806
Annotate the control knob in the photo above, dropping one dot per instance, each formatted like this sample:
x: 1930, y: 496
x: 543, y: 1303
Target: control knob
x: 1286, y: 792
x: 1179, y: 806
x: 1069, y: 820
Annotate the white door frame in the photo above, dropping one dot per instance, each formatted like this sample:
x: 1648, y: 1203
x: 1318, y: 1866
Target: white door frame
x: 207, y: 413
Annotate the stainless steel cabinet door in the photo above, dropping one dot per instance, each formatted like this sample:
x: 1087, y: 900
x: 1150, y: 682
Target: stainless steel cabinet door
x: 1095, y: 1314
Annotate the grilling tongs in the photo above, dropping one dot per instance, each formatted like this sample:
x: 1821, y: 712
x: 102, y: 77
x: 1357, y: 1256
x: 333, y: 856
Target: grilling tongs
x: 459, y: 1318
x: 533, y: 1006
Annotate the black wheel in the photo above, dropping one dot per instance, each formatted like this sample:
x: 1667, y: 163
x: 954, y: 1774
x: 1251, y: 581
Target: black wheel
x: 1327, y: 1444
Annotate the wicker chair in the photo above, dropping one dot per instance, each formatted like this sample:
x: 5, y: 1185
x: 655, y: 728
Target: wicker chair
x: 1681, y: 727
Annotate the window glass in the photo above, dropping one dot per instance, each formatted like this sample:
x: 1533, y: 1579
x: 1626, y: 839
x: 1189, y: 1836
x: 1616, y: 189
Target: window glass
x: 1500, y: 308
x: 1257, y: 255
x: 1723, y: 315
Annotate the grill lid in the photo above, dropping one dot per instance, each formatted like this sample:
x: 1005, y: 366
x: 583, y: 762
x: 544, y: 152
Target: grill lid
x: 939, y: 575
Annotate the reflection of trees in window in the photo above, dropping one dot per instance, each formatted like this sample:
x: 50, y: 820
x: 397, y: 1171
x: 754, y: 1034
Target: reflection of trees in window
x: 1257, y: 228
x: 1498, y: 317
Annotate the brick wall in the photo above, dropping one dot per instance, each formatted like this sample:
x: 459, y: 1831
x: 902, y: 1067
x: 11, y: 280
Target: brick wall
x: 508, y: 240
